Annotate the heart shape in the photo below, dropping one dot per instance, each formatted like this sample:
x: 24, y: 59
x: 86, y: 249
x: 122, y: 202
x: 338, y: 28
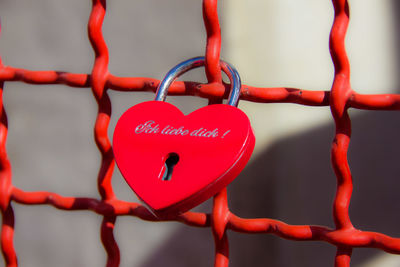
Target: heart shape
x: 209, y: 147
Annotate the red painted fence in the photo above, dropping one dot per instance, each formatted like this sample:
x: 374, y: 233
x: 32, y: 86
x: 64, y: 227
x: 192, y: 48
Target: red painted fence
x: 340, y: 98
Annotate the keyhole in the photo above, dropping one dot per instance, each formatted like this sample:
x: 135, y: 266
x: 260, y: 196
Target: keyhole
x: 169, y: 165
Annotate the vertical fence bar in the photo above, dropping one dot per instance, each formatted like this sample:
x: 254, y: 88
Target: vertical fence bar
x: 8, y: 218
x: 219, y: 220
x: 7, y: 237
x: 7, y: 229
x: 220, y: 210
x: 213, y: 46
x: 99, y: 79
x: 340, y: 94
x: 343, y: 256
x: 108, y: 239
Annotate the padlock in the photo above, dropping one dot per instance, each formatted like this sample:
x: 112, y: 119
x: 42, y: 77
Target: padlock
x: 172, y: 161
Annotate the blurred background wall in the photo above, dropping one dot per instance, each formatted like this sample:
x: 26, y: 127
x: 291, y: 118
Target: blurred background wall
x: 272, y: 43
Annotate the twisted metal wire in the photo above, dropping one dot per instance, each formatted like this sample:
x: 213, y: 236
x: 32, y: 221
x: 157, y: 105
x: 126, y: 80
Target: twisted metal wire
x: 340, y: 98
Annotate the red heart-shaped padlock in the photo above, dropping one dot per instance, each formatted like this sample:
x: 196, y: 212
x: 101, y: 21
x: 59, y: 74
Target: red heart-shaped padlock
x: 174, y: 162
x: 210, y: 147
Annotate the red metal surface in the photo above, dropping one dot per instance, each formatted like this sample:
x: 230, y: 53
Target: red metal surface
x: 142, y: 145
x: 341, y: 97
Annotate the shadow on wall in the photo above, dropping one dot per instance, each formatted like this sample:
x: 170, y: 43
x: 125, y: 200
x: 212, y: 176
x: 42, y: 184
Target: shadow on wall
x: 293, y: 181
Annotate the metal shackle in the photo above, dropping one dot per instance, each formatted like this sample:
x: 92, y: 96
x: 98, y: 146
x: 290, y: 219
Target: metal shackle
x: 196, y: 62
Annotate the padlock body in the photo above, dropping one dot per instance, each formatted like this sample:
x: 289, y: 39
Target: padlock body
x: 210, y: 146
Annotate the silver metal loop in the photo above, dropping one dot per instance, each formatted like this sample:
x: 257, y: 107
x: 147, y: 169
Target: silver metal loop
x: 193, y: 63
